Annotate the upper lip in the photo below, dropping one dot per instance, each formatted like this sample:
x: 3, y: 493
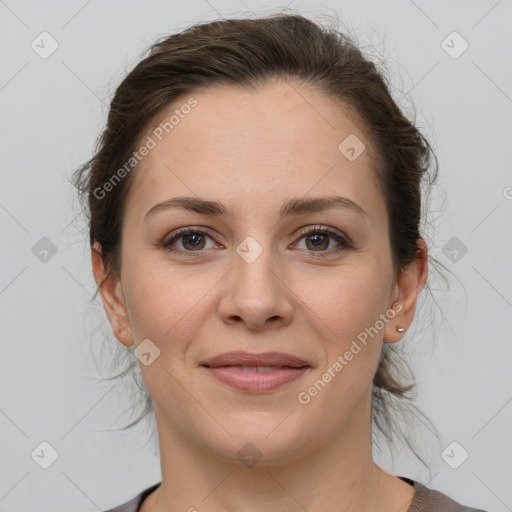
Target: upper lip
x: 277, y: 359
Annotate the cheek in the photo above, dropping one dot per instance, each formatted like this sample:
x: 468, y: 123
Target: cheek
x: 347, y: 307
x: 166, y: 307
x: 346, y: 302
x: 162, y: 301
x: 341, y: 388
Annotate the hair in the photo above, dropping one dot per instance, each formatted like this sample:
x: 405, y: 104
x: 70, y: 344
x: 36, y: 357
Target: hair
x: 250, y: 53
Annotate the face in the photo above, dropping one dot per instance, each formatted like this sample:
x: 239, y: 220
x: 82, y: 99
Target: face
x: 252, y: 276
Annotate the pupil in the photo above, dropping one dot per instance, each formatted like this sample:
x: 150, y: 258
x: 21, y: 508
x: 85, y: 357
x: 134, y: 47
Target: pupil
x: 318, y: 239
x: 193, y: 239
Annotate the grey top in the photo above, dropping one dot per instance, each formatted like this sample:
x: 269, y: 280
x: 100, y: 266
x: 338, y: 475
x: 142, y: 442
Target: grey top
x: 424, y: 500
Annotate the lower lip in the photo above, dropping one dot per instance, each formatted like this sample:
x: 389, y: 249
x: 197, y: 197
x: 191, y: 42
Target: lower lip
x: 253, y: 381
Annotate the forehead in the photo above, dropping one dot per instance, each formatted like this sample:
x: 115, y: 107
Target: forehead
x: 238, y: 145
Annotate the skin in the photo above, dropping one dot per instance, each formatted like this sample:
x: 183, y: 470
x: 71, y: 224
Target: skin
x: 252, y: 151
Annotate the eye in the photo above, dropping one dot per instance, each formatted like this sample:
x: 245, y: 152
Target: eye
x: 318, y: 239
x: 190, y: 240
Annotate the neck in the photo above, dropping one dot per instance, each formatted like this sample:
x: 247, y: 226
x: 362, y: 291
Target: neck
x: 338, y: 475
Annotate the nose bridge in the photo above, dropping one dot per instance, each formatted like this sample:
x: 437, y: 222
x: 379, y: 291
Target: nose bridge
x: 255, y: 270
x: 255, y: 290
x: 254, y: 265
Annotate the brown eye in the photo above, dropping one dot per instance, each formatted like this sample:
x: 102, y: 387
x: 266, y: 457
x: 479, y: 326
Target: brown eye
x: 194, y: 242
x: 188, y: 240
x: 318, y: 239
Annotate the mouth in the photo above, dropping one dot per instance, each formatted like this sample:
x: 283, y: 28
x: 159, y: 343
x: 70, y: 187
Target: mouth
x: 255, y: 373
x: 258, y: 369
x: 263, y: 360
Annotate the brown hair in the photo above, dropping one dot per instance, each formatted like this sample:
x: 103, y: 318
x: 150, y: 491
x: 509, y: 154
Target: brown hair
x: 248, y: 53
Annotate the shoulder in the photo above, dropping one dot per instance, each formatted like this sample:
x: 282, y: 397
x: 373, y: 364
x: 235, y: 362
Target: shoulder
x: 135, y: 503
x: 429, y: 500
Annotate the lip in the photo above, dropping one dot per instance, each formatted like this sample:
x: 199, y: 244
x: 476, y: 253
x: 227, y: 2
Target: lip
x: 227, y: 369
x: 277, y: 359
x: 255, y: 381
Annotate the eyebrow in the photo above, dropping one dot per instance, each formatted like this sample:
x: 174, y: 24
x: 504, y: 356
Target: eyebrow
x: 295, y: 206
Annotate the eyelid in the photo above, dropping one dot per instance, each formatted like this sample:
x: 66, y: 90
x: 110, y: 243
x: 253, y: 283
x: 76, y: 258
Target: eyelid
x: 343, y: 240
x: 324, y: 229
x: 184, y: 231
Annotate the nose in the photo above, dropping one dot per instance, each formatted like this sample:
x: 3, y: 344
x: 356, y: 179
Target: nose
x: 256, y: 294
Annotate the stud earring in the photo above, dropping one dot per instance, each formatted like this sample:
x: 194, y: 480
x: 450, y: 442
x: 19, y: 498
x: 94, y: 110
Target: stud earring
x: 400, y: 329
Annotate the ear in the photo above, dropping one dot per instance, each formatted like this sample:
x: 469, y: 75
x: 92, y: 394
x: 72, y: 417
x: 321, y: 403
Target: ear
x: 406, y: 292
x: 112, y: 296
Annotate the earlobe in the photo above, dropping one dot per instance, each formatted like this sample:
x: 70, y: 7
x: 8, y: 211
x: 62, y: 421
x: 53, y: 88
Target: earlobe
x: 112, y: 297
x: 407, y: 289
x: 394, y: 331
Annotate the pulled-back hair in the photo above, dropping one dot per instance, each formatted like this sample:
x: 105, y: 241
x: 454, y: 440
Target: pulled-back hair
x: 248, y: 54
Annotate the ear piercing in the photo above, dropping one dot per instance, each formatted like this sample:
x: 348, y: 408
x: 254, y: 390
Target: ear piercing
x: 395, y: 305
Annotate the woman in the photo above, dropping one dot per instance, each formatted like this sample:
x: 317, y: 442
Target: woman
x: 254, y: 206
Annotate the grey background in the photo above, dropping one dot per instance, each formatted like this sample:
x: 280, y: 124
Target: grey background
x: 52, y: 111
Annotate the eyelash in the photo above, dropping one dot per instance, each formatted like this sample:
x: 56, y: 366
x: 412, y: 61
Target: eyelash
x: 344, y: 242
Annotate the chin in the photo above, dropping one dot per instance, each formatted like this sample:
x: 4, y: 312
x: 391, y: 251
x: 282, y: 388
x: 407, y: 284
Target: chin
x: 259, y: 441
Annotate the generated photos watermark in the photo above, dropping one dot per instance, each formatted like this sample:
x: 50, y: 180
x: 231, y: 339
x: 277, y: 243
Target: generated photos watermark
x: 150, y: 143
x: 304, y: 397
